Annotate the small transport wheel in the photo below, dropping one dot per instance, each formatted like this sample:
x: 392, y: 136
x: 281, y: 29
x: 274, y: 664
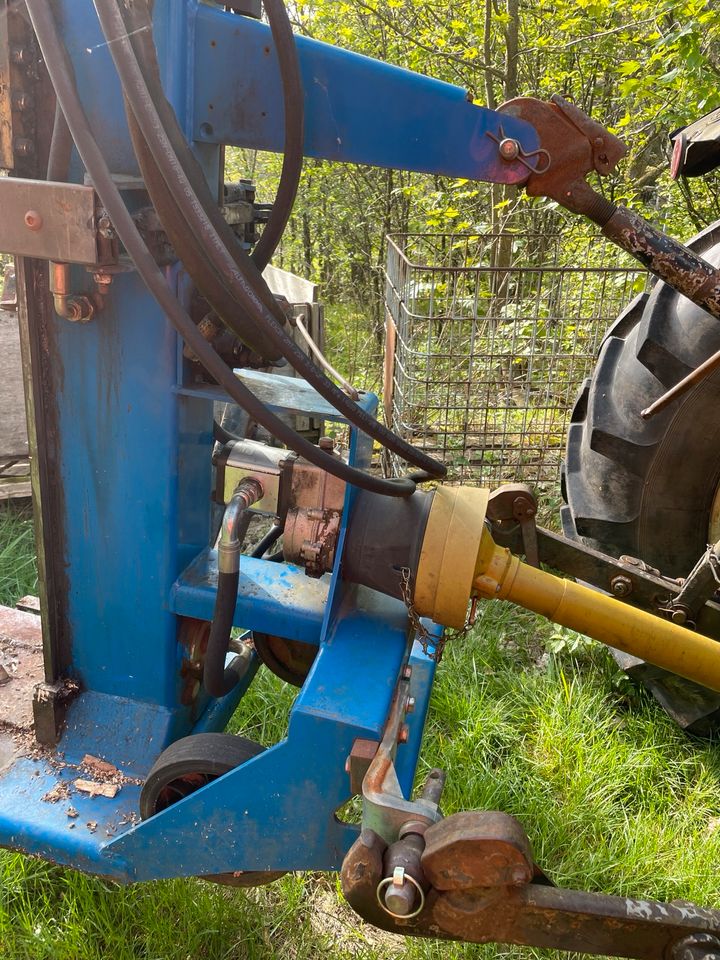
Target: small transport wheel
x: 651, y: 488
x: 288, y: 659
x: 186, y: 766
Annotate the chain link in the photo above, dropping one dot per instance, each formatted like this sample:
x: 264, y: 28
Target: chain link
x: 433, y: 647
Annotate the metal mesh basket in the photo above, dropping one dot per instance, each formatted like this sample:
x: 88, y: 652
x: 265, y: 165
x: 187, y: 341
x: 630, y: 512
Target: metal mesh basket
x: 488, y: 340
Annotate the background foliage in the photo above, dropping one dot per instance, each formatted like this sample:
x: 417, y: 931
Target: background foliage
x: 642, y: 68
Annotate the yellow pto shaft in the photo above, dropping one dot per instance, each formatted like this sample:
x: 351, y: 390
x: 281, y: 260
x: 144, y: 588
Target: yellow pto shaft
x: 602, y: 617
x: 459, y: 559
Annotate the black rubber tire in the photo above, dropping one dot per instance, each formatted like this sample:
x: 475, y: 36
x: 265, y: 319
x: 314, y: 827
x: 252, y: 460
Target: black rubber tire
x: 646, y: 488
x: 189, y: 764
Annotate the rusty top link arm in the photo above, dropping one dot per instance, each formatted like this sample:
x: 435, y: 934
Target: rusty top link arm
x: 573, y: 146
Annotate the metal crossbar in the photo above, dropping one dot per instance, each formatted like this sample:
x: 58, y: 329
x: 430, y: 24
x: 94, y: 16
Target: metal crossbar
x: 488, y: 340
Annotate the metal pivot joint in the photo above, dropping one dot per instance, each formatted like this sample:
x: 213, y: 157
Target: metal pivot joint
x: 483, y: 886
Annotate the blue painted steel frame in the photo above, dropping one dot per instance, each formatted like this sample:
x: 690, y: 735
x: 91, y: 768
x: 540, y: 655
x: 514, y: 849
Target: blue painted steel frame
x: 135, y: 444
x: 357, y: 109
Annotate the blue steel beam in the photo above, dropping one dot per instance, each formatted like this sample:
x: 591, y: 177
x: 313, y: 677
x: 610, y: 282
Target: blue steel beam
x: 278, y: 810
x: 357, y: 109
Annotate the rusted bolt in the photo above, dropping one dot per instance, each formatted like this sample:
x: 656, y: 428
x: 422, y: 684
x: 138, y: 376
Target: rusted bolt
x: 410, y: 704
x: 599, y: 142
x: 326, y: 443
x: 103, y: 281
x: 105, y: 227
x: 22, y: 101
x: 679, y: 616
x: 20, y: 56
x: 33, y: 220
x: 23, y: 147
x: 403, y: 733
x: 406, y: 672
x: 621, y: 586
x: 509, y: 149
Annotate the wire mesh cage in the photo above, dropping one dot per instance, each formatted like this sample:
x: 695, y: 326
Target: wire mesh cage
x: 488, y: 340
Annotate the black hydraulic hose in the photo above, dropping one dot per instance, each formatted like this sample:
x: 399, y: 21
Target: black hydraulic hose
x: 293, y: 150
x: 60, y: 147
x: 61, y: 74
x: 138, y: 30
x: 221, y: 435
x: 271, y: 537
x: 204, y: 224
x: 293, y: 105
x: 218, y: 679
x: 193, y: 255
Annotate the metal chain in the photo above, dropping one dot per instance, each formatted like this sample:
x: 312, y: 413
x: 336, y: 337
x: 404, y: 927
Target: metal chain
x: 433, y: 647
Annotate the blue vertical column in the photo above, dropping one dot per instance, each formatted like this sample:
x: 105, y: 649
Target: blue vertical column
x: 124, y: 439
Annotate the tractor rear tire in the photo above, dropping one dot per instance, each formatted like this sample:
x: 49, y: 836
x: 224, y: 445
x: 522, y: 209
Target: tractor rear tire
x: 649, y: 489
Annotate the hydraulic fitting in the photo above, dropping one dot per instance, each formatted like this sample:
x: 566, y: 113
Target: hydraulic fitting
x: 234, y: 524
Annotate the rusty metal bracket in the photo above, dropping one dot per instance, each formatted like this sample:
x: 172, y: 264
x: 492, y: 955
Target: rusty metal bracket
x: 479, y: 871
x: 575, y: 145
x: 512, y: 504
x: 385, y: 809
x: 48, y: 221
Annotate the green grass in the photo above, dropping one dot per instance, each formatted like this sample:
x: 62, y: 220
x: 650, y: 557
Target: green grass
x: 612, y: 795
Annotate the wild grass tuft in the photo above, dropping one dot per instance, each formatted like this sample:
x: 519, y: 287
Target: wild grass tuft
x: 18, y: 574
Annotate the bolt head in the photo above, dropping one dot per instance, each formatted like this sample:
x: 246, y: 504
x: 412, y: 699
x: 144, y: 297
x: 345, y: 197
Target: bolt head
x: 326, y: 443
x: 33, y: 220
x: 509, y: 149
x: 410, y: 704
x: 23, y: 147
x: 404, y: 733
x: 621, y: 586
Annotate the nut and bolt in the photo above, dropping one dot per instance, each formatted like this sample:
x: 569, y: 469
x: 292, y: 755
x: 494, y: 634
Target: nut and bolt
x: 33, y: 220
x: 679, y: 616
x: 621, y: 586
x: 410, y: 704
x: 403, y: 733
x: 21, y: 56
x: 22, y: 101
x: 105, y: 227
x: 326, y: 443
x: 23, y: 147
x: 407, y: 672
x: 509, y: 149
x: 103, y: 281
